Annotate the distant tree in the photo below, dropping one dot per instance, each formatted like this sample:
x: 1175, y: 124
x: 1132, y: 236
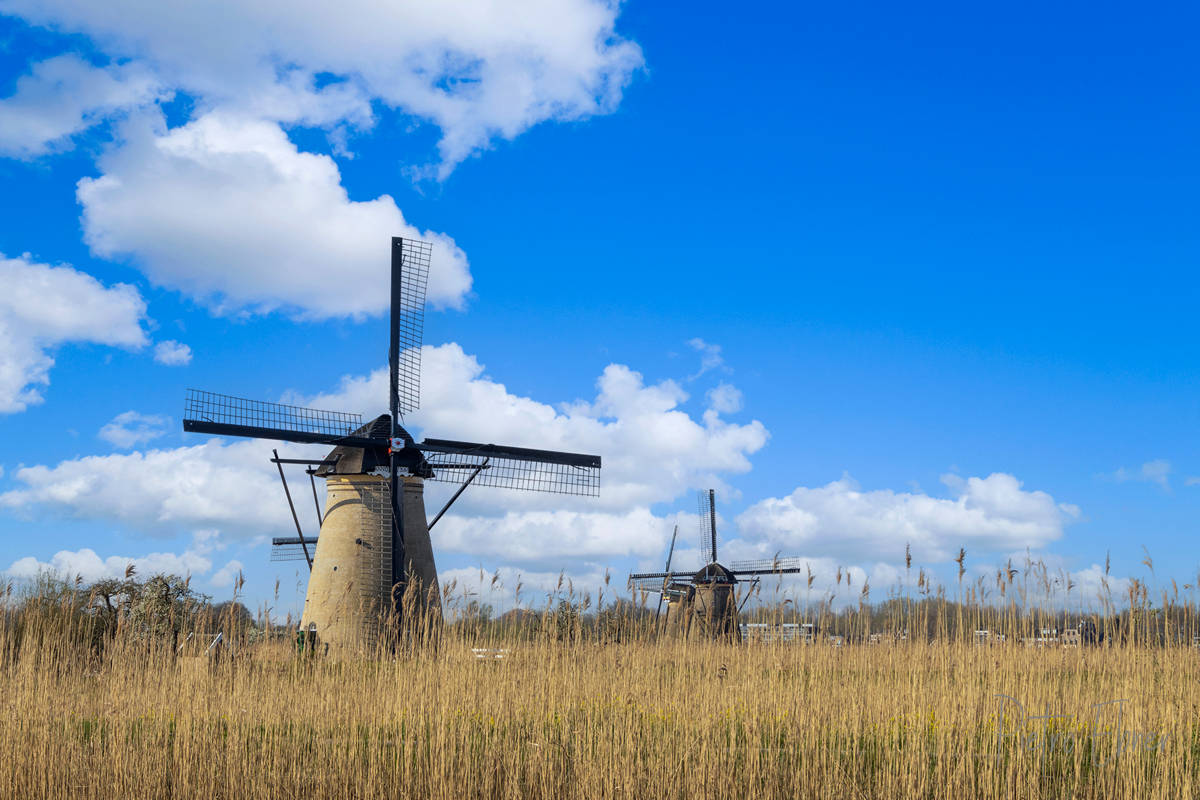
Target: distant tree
x: 623, y: 620
x: 567, y: 621
x: 233, y: 614
x: 162, y: 605
x: 478, y: 613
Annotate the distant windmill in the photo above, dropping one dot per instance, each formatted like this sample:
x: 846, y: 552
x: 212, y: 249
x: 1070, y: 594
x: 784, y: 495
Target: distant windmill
x: 703, y: 604
x: 374, y: 534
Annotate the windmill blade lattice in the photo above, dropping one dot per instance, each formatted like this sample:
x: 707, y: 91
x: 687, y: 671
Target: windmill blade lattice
x: 650, y: 585
x: 513, y: 467
x: 289, y: 548
x: 409, y: 318
x: 708, y: 535
x: 771, y: 566
x: 226, y: 415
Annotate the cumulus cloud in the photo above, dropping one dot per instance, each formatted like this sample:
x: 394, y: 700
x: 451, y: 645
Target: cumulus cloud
x: 227, y: 210
x: 652, y: 453
x: 227, y: 574
x: 533, y: 537
x: 508, y: 587
x: 841, y: 520
x: 1093, y: 588
x: 227, y: 486
x: 65, y: 95
x: 131, y: 428
x: 477, y: 70
x: 42, y: 307
x: 1049, y: 580
x: 725, y: 398
x: 172, y: 353
x: 86, y: 564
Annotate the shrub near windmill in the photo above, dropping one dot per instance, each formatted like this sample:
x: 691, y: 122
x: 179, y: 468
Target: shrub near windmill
x: 705, y: 604
x: 374, y: 534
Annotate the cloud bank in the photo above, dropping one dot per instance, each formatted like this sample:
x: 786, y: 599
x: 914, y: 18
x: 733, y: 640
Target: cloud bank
x: 843, y: 521
x: 478, y: 71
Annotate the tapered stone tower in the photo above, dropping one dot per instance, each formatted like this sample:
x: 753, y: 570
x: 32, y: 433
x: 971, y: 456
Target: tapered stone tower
x: 355, y: 572
x: 712, y: 610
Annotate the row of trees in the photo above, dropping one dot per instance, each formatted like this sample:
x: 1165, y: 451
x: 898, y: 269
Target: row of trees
x: 157, y: 609
x: 162, y: 608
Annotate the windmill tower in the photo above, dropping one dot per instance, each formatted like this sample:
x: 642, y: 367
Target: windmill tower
x: 704, y: 604
x: 374, y: 548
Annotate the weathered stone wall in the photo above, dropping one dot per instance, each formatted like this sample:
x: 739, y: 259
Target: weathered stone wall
x: 350, y: 587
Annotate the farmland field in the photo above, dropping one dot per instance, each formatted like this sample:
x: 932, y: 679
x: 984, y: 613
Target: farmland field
x: 581, y: 717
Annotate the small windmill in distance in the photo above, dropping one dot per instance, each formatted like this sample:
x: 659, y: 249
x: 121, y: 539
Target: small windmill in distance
x: 374, y: 532
x: 703, y: 604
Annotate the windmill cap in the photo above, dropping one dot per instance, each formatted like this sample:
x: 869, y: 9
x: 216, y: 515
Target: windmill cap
x: 359, y: 460
x: 714, y: 573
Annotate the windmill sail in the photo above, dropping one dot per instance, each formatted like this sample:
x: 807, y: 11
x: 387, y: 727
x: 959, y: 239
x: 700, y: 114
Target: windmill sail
x: 451, y: 461
x: 771, y: 566
x: 706, y: 508
x: 291, y: 548
x: 225, y: 415
x: 513, y: 467
x: 408, y: 319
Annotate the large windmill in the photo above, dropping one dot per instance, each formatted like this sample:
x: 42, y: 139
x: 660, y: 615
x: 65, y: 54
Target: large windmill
x: 374, y: 535
x: 704, y: 604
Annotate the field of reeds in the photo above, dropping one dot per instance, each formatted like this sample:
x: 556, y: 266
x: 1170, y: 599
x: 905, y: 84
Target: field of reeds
x: 106, y: 701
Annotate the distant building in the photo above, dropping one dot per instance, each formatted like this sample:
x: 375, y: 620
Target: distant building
x: 786, y: 633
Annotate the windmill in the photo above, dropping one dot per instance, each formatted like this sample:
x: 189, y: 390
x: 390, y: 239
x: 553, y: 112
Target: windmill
x: 704, y: 604
x: 374, y: 534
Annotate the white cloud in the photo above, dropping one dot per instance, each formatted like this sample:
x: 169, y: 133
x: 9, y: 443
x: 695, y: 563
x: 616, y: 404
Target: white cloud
x: 65, y: 95
x: 508, y: 587
x: 839, y: 519
x: 131, y: 428
x: 84, y: 563
x: 227, y: 210
x: 710, y: 356
x: 478, y: 70
x: 725, y: 398
x: 546, y: 537
x: 230, y: 487
x: 172, y: 353
x: 1047, y: 580
x: 42, y: 307
x: 652, y: 453
x: 1092, y: 588
x: 227, y: 574
x: 1157, y: 472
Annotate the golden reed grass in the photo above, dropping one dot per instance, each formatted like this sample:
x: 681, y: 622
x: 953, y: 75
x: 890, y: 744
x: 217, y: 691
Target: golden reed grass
x: 622, y: 715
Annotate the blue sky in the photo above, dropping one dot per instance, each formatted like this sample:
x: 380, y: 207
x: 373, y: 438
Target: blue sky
x: 943, y: 257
